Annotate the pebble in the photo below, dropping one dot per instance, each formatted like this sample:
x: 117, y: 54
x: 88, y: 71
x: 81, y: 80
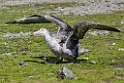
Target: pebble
x: 111, y: 47
x: 93, y: 62
x: 31, y: 76
x: 113, y: 43
x: 120, y: 49
x: 85, y: 59
x: 122, y: 22
x: 117, y: 68
x: 51, y: 74
x: 23, y: 63
x: 24, y: 53
x: 9, y: 54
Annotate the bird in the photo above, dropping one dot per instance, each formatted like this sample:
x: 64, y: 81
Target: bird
x: 65, y: 42
x: 30, y: 19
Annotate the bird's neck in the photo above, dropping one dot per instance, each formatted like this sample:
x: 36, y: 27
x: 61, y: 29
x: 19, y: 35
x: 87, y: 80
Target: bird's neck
x: 52, y: 43
x: 47, y: 36
x: 49, y: 39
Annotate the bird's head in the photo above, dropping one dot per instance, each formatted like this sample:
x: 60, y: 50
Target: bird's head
x: 42, y: 32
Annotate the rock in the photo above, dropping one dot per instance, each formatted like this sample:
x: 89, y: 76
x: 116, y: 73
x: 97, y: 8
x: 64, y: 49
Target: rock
x: 122, y: 22
x: 85, y: 59
x: 111, y: 47
x: 120, y: 49
x: 113, y: 43
x: 51, y: 74
x: 65, y: 73
x: 23, y: 63
x: 24, y: 53
x: 93, y: 62
x: 31, y: 76
x: 9, y: 54
x: 117, y: 68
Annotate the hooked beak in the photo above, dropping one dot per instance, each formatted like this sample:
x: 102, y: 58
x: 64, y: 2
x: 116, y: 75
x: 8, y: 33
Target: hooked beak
x: 36, y: 33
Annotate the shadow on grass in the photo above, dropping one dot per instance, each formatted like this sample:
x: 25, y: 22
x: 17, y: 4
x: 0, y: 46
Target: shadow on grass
x: 51, y: 60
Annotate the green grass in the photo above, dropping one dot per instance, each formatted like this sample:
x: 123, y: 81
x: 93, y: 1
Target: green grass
x: 35, y: 72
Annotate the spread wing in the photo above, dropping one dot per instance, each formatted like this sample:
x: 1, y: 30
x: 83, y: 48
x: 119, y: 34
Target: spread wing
x: 63, y: 28
x: 33, y: 19
x: 30, y: 19
x: 81, y: 28
x: 35, y: 15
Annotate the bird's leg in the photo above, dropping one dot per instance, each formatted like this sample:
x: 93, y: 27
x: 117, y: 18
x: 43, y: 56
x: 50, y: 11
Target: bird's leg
x: 56, y: 62
x: 74, y: 61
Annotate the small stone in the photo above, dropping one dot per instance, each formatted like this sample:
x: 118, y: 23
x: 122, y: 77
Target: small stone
x: 31, y: 76
x: 8, y: 54
x: 108, y: 5
x: 45, y: 59
x: 93, y: 62
x: 34, y: 69
x: 51, y: 74
x: 111, y: 47
x: 117, y: 68
x: 85, y: 59
x: 92, y: 1
x: 24, y: 53
x: 120, y: 49
x: 22, y: 63
x: 122, y: 22
x: 113, y: 43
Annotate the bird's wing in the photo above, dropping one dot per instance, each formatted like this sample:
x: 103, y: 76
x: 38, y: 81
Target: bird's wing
x: 30, y: 19
x: 35, y: 15
x: 64, y: 28
x: 33, y: 19
x: 81, y: 28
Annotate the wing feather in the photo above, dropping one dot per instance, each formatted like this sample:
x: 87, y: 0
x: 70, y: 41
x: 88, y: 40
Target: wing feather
x: 64, y: 28
x: 81, y: 28
x: 30, y: 19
